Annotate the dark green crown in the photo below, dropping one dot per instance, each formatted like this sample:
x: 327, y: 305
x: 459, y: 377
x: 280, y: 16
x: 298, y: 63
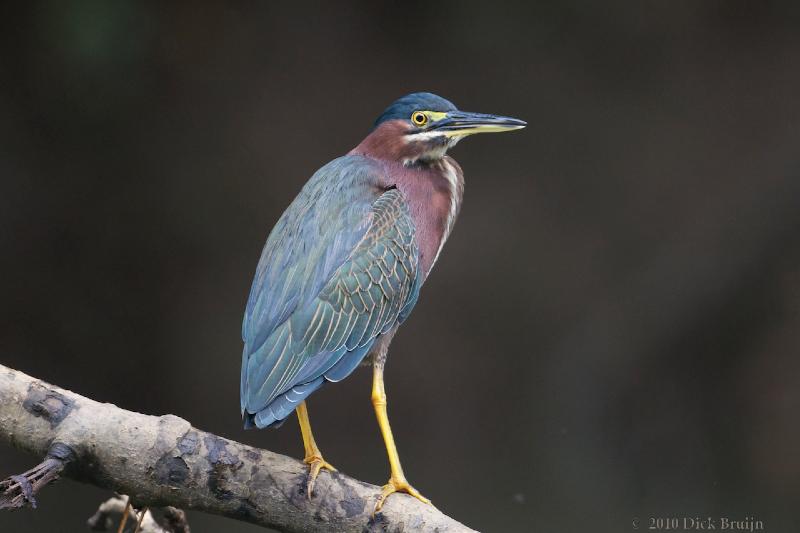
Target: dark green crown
x: 402, y: 108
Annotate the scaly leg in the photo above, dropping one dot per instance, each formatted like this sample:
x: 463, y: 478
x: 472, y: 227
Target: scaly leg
x: 313, y: 456
x: 397, y: 480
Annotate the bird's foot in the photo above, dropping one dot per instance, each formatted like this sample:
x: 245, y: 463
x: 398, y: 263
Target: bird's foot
x: 397, y: 485
x: 315, y: 464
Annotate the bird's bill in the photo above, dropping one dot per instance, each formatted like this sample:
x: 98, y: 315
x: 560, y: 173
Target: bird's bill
x: 461, y: 123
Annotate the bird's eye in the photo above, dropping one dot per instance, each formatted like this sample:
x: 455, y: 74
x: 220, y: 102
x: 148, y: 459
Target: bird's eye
x: 419, y: 118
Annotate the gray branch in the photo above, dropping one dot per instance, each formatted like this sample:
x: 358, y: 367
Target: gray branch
x: 163, y: 461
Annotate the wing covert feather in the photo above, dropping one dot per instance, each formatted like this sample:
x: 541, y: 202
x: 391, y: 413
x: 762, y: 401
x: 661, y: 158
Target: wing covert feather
x: 327, y: 286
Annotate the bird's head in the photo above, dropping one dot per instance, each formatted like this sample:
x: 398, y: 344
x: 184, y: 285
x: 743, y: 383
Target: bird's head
x: 423, y: 126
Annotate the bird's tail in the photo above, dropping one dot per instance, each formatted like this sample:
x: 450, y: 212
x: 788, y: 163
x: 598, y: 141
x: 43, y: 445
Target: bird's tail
x: 281, y: 407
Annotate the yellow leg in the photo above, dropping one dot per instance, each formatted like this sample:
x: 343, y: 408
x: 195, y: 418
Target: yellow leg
x: 397, y: 480
x: 313, y: 456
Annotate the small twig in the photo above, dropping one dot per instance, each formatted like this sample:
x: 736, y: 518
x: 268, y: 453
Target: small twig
x: 146, y: 522
x: 124, y: 518
x: 141, y: 517
x: 21, y: 490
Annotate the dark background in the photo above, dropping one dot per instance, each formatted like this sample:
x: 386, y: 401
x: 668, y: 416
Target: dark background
x: 611, y: 332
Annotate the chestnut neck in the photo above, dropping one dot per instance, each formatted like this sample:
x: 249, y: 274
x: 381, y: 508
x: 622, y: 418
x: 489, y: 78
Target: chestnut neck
x: 387, y: 142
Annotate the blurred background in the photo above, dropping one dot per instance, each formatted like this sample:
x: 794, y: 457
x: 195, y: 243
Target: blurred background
x: 612, y: 331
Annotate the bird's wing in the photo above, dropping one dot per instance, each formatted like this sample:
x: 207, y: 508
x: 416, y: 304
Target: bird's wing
x: 339, y: 269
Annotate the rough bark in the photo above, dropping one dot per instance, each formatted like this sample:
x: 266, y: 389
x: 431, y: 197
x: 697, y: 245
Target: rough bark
x: 163, y: 460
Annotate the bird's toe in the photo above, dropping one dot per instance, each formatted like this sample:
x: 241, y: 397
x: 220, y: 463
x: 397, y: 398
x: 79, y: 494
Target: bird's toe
x: 315, y: 464
x: 397, y: 485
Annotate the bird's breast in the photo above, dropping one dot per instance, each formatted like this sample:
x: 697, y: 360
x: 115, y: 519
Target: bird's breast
x: 434, y: 193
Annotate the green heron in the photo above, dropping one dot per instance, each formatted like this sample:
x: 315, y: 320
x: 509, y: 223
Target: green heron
x: 343, y: 267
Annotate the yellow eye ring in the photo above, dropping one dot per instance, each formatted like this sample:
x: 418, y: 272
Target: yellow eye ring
x: 419, y: 118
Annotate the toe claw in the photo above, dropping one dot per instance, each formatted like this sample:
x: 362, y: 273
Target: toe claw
x: 397, y: 486
x: 315, y: 464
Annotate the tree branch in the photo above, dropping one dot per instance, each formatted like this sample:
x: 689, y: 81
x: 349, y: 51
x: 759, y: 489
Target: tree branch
x: 161, y: 461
